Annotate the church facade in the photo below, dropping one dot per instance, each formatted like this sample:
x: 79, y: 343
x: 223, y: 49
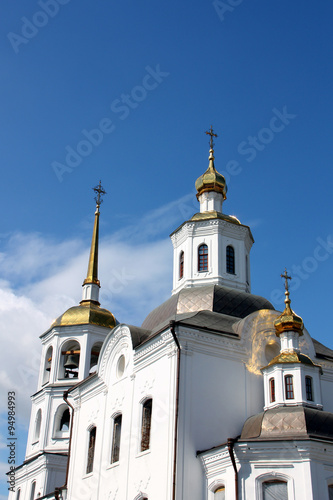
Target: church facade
x: 215, y: 396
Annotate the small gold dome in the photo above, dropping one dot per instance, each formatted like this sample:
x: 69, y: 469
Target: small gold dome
x: 211, y: 180
x: 288, y: 320
x: 291, y: 357
x: 86, y: 313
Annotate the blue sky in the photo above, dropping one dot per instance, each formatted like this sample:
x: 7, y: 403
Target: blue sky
x: 123, y: 92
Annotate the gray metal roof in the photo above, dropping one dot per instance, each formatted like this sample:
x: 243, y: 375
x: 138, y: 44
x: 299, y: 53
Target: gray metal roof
x: 322, y: 352
x: 289, y: 422
x: 139, y: 335
x: 213, y: 298
x: 208, y: 320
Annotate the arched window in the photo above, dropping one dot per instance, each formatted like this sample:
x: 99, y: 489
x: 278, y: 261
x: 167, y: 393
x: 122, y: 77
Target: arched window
x: 181, y: 265
x: 272, y: 389
x: 272, y: 490
x: 203, y: 258
x: 64, y: 421
x: 230, y: 259
x: 308, y: 387
x: 289, y: 386
x: 32, y: 491
x: 219, y: 493
x: 38, y: 423
x: 47, y: 365
x: 61, y: 422
x: 120, y: 370
x: 330, y: 492
x: 94, y: 355
x: 116, y: 439
x: 146, y: 424
x: 91, y: 450
x: 70, y: 360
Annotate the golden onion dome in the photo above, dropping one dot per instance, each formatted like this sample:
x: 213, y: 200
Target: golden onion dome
x: 86, y: 313
x: 291, y: 357
x: 288, y: 320
x: 211, y: 180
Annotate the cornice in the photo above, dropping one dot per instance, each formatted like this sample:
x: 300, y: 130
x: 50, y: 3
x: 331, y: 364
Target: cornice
x: 91, y: 389
x: 65, y: 330
x: 160, y: 346
x: 188, y: 228
x: 199, y: 341
x: 119, y: 333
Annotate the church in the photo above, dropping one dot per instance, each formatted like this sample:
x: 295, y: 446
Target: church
x: 216, y: 396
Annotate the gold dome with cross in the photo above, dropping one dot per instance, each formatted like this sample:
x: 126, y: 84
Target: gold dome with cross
x: 288, y: 320
x: 211, y: 180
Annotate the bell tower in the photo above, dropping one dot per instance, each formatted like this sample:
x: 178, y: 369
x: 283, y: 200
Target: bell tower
x: 291, y: 378
x: 212, y: 247
x: 70, y: 353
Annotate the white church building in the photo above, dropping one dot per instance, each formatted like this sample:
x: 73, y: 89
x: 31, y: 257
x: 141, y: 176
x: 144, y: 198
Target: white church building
x: 215, y: 396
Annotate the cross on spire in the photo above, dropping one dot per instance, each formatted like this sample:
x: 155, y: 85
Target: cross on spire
x: 211, y: 133
x: 100, y: 192
x: 286, y: 278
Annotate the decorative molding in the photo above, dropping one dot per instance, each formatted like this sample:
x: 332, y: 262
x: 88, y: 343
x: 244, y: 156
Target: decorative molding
x: 147, y: 387
x: 209, y: 342
x: 113, y: 494
x: 172, y: 351
x: 271, y: 465
x: 218, y: 482
x: 119, y: 333
x: 93, y: 415
x: 166, y: 335
x: 216, y: 457
x: 142, y: 485
x: 150, y: 348
x: 118, y: 403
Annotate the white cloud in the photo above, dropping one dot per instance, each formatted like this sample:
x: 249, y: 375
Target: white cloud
x: 30, y: 257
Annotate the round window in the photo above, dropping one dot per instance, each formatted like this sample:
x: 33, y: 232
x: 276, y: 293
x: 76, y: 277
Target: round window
x: 121, y: 366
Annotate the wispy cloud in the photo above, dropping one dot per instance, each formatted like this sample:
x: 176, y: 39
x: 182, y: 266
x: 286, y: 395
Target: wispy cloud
x: 160, y: 221
x: 29, y: 257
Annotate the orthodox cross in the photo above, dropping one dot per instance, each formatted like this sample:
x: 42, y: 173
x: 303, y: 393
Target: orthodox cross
x: 286, y: 278
x: 100, y: 192
x: 211, y: 133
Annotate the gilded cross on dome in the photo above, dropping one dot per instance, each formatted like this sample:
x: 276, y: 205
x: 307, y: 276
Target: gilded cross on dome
x: 100, y: 192
x: 211, y: 133
x: 286, y: 278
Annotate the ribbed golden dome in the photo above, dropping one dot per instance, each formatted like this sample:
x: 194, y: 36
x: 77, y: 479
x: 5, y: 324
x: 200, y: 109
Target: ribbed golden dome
x: 291, y: 357
x: 86, y: 313
x: 288, y: 320
x: 211, y: 180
